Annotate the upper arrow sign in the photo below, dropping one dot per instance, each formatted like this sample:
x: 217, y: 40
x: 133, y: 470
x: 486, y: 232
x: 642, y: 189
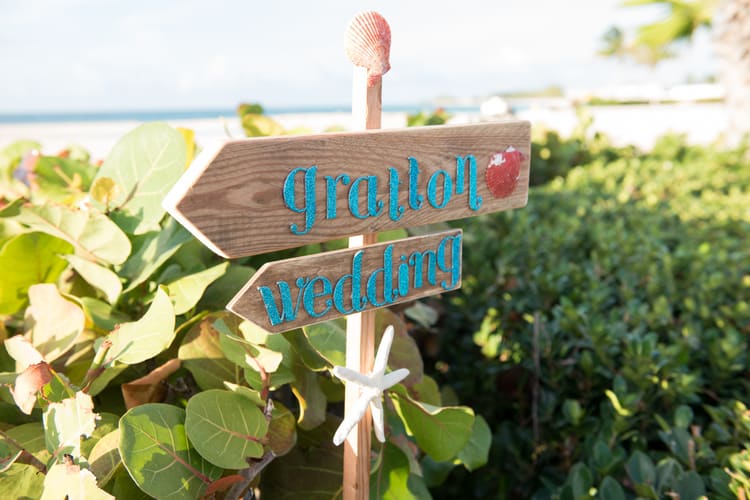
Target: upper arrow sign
x: 252, y: 196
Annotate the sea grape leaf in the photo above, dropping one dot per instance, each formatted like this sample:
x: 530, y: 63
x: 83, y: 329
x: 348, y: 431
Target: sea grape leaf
x: 105, y: 191
x: 158, y: 456
x: 186, y: 291
x: 315, y: 474
x: 155, y: 249
x: 143, y: 339
x: 105, y: 457
x: 202, y: 356
x: 250, y: 394
x: 145, y: 163
x: 21, y: 481
x: 31, y: 437
x: 66, y: 422
x: 312, y: 400
x: 93, y: 235
x: 62, y: 179
x: 329, y: 340
x: 221, y: 291
x: 150, y: 388
x: 189, y: 136
x: 305, y: 351
x: 440, y: 431
x: 97, y: 276
x: 611, y: 489
x: 22, y: 351
x: 690, y: 486
x: 27, y: 259
x: 10, y: 453
x: 404, y: 351
x: 641, y: 468
x: 101, y: 314
x: 282, y: 430
x: 427, y: 391
x: 477, y: 449
x: 226, y: 428
x: 391, y: 479
x: 71, y: 482
x: 28, y: 384
x: 52, y: 322
x: 247, y: 354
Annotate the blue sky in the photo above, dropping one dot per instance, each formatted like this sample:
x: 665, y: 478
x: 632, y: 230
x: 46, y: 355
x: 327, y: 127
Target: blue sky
x: 89, y: 55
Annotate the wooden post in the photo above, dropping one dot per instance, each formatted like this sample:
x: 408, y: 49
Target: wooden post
x: 360, y: 327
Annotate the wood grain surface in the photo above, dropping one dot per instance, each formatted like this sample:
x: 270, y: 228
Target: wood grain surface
x: 232, y: 196
x: 419, y: 254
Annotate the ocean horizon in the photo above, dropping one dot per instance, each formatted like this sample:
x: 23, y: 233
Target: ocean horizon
x: 196, y: 114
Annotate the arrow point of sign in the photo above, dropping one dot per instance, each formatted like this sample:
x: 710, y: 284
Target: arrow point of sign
x: 181, y: 189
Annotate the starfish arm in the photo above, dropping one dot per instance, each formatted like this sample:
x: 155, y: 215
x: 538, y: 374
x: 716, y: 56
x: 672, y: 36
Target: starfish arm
x: 384, y: 349
x: 351, y: 420
x: 349, y: 375
x: 376, y: 408
x: 393, y: 378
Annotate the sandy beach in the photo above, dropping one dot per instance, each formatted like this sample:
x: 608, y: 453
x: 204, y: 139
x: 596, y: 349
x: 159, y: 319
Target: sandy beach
x: 640, y: 125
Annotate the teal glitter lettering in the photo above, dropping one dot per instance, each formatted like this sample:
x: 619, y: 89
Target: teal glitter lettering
x: 288, y: 311
x: 310, y: 294
x: 460, y: 174
x: 331, y: 198
x: 395, y: 211
x: 455, y: 267
x: 309, y: 196
x: 358, y: 302
x: 374, y: 206
x: 432, y: 189
x: 417, y: 260
x: 372, y: 281
x: 415, y: 199
x: 475, y: 202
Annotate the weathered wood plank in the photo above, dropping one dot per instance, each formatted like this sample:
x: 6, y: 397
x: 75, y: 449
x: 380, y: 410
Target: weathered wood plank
x: 258, y: 195
x: 290, y: 293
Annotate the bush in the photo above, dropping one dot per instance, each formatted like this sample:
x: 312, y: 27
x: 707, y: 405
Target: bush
x: 602, y: 331
x: 121, y: 373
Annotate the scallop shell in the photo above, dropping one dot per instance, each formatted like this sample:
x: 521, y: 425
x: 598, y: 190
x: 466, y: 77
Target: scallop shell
x: 368, y: 43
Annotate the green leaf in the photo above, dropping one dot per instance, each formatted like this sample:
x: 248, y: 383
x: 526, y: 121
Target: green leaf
x: 610, y: 489
x: 683, y: 416
x: 8, y: 455
x: 71, y: 482
x: 154, y: 249
x: 52, y: 322
x: 97, y: 276
x: 93, y: 235
x: 27, y: 259
x: 282, y: 430
x: 158, y: 456
x: 477, y: 449
x: 62, y: 180
x: 247, y: 354
x: 250, y: 394
x: 312, y: 400
x: 226, y: 428
x: 690, y: 486
x: 21, y: 481
x: 66, y: 422
x: 426, y: 391
x: 143, y: 339
x: 305, y: 351
x: 105, y: 318
x: 221, y: 291
x: 580, y: 480
x: 202, y: 356
x: 404, y: 351
x: 391, y: 479
x: 104, y: 458
x: 185, y: 292
x: 641, y: 468
x: 329, y: 340
x: 145, y: 164
x: 440, y: 432
x: 31, y: 437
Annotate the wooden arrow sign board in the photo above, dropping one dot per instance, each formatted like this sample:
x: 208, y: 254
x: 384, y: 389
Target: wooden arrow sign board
x: 258, y: 195
x: 290, y: 293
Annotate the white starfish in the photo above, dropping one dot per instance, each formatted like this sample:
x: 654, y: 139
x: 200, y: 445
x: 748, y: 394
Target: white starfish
x: 371, y: 390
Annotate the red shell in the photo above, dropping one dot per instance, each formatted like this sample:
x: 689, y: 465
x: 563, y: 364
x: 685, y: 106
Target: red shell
x: 368, y: 43
x: 503, y: 172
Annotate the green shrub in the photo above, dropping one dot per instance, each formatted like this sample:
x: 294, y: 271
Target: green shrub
x: 602, y: 331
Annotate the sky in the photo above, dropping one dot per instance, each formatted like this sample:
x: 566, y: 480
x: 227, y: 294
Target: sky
x: 107, y: 55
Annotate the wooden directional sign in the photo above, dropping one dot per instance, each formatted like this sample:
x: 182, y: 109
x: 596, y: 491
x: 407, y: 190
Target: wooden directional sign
x: 290, y: 293
x: 253, y: 196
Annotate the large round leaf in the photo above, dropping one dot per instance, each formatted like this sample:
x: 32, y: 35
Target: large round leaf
x: 158, y: 456
x: 225, y: 427
x: 145, y: 164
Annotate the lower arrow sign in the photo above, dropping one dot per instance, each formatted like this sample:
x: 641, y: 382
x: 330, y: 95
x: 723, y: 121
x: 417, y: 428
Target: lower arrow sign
x: 291, y: 293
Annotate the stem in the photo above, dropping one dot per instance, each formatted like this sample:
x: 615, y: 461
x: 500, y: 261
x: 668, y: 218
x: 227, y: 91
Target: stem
x: 238, y: 489
x: 32, y: 460
x: 96, y: 368
x: 535, y: 385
